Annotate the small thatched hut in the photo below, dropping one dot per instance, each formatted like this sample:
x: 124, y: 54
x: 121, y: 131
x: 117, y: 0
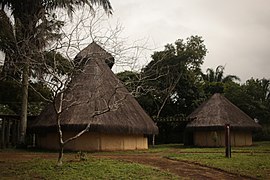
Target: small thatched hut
x: 93, y: 90
x: 207, y: 127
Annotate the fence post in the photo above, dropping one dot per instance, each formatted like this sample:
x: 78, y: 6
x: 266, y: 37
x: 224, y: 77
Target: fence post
x: 8, y: 133
x: 153, y: 140
x: 228, y: 140
x: 3, y: 143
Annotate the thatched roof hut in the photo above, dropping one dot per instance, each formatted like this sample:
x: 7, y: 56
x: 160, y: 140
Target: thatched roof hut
x: 93, y: 89
x: 209, y: 119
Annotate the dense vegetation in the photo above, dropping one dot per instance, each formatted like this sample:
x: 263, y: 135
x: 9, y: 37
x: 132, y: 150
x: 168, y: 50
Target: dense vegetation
x: 173, y: 85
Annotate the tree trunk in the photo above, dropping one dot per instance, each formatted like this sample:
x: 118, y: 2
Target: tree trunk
x: 61, y: 154
x: 23, y: 122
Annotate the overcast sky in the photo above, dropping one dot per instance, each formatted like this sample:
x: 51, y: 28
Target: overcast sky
x: 236, y: 32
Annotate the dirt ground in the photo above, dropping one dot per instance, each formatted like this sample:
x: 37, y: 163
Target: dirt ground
x: 181, y: 168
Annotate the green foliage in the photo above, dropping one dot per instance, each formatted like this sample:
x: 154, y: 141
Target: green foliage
x: 131, y: 80
x: 25, y: 39
x: 92, y: 169
x: 214, y: 80
x: 174, y: 77
x: 218, y: 75
x: 170, y: 79
x: 264, y: 134
x: 10, y: 97
x: 213, y: 87
x: 5, y: 109
x: 252, y: 97
x: 61, y: 64
x: 35, y: 20
x: 52, y: 61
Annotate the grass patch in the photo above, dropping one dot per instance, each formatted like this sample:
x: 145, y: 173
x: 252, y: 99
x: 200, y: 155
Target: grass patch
x: 258, y: 147
x: 91, y: 169
x: 250, y: 161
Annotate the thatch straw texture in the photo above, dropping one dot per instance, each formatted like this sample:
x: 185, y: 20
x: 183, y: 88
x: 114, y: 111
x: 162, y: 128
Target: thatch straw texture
x: 218, y: 111
x: 92, y: 90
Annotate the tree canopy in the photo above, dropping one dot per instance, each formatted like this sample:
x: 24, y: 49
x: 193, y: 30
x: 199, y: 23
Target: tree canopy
x: 172, y: 84
x: 252, y: 97
x: 168, y: 84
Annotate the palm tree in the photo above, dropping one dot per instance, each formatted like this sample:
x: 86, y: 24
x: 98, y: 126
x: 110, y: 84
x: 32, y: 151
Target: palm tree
x: 214, y: 80
x: 29, y: 34
x: 33, y: 25
x: 218, y: 75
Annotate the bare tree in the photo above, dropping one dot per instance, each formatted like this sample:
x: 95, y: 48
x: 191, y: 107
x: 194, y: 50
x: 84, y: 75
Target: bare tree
x: 109, y: 33
x: 61, y: 102
x: 27, y: 31
x: 85, y: 27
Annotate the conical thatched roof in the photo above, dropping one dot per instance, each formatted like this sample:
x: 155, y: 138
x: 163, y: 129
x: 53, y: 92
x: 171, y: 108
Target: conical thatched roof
x: 92, y: 90
x: 218, y: 111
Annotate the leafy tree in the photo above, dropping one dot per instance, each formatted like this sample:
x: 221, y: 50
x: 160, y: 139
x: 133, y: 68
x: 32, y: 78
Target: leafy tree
x: 10, y: 97
x: 170, y: 84
x: 39, y: 92
x: 131, y: 81
x: 257, y: 91
x: 236, y: 94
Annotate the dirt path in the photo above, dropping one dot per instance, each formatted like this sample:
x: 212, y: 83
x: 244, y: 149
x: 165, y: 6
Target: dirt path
x: 181, y: 168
